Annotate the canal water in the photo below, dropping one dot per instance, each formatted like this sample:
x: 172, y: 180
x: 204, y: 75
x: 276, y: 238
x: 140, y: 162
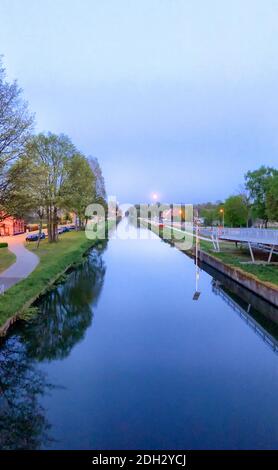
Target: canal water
x: 121, y: 357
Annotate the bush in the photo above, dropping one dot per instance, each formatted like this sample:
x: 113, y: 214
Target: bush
x: 3, y: 245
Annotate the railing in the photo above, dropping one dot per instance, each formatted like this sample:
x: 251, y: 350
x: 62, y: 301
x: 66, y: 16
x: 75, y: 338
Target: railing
x: 268, y: 236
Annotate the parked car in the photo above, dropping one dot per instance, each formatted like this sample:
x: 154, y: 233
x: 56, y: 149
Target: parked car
x: 33, y: 237
x: 63, y: 230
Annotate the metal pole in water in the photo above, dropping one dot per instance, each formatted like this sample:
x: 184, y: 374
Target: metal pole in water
x: 197, y: 271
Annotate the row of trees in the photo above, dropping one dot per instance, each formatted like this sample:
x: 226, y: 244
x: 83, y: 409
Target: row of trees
x: 43, y: 174
x: 257, y: 200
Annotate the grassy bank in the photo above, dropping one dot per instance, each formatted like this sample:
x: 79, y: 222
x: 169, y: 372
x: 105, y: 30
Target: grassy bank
x: 235, y: 257
x: 240, y: 258
x: 7, y: 258
x: 55, y: 259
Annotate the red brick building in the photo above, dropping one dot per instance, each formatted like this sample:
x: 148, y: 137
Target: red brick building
x: 11, y: 226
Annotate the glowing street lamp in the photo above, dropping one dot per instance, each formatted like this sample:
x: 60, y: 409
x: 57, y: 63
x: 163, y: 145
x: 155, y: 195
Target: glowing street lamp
x: 222, y: 212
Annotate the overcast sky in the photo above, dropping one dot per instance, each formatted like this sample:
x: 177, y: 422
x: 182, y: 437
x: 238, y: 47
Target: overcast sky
x: 173, y: 96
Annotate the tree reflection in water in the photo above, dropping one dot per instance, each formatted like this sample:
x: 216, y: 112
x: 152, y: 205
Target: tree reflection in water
x: 64, y: 315
x: 22, y: 421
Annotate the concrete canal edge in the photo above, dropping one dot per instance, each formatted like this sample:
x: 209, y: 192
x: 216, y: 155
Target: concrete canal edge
x: 265, y: 290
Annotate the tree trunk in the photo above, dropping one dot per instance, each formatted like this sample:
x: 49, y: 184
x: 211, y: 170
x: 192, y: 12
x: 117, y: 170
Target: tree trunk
x: 51, y: 234
x: 55, y: 225
x: 40, y: 232
x: 80, y: 222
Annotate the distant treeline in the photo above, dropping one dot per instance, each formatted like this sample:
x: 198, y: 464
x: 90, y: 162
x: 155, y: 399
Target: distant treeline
x: 258, y: 201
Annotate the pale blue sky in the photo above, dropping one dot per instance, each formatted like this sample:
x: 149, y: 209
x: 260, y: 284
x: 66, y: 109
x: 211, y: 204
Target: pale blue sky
x: 174, y: 96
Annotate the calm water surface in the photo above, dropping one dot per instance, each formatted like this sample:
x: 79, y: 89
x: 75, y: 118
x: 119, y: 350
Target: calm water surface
x: 121, y: 357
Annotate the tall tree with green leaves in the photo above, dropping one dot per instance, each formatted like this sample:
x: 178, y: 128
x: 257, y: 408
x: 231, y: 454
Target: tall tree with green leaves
x: 272, y: 199
x: 50, y: 154
x: 25, y: 180
x: 236, y: 211
x: 257, y: 183
x: 209, y: 216
x: 79, y: 189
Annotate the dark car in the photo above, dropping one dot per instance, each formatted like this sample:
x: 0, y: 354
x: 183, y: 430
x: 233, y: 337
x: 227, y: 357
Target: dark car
x: 63, y: 230
x: 33, y: 237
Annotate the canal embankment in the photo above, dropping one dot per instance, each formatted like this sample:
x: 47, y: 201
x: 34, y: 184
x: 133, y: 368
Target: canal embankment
x: 55, y: 260
x: 264, y: 289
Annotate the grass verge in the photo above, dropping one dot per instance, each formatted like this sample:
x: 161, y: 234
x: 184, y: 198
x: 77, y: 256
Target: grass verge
x: 238, y: 257
x: 7, y: 258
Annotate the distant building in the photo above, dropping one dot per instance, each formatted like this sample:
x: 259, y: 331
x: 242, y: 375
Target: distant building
x: 11, y: 226
x: 174, y: 213
x: 180, y: 213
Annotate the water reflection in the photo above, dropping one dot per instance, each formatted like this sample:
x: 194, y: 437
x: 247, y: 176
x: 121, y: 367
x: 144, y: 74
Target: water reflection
x: 259, y: 315
x: 22, y: 419
x: 64, y: 315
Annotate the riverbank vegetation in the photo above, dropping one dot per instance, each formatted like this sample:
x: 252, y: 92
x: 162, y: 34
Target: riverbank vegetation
x: 55, y: 260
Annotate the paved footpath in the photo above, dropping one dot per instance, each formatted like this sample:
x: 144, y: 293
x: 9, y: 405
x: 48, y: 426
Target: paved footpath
x: 25, y: 262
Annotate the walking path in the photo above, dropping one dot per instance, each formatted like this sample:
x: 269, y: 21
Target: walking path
x: 25, y: 262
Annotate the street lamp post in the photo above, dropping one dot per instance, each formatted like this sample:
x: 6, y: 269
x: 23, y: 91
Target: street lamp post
x: 223, y: 220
